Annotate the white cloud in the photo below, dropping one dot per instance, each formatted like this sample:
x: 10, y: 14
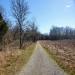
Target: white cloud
x: 68, y: 6
x: 69, y: 3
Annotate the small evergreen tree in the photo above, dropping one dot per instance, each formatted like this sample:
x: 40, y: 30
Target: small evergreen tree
x: 3, y: 27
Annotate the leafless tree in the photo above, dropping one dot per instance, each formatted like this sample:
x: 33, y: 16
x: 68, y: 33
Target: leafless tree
x: 20, y: 11
x: 32, y: 32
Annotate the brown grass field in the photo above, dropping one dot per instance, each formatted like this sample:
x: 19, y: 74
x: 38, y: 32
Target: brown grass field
x: 63, y: 51
x: 12, y: 59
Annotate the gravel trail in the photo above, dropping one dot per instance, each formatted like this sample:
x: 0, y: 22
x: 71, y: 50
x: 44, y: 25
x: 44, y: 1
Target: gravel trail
x: 41, y: 64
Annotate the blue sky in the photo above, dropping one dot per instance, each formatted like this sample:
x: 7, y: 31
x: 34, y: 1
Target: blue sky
x: 48, y: 13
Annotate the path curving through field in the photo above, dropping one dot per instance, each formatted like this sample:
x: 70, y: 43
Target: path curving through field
x: 41, y: 64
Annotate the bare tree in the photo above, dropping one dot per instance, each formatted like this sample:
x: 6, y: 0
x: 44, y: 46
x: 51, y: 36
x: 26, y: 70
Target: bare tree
x: 31, y: 33
x: 20, y: 10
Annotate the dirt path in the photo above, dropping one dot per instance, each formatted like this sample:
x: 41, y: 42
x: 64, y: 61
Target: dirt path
x: 41, y: 64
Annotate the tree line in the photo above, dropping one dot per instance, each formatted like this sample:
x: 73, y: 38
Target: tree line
x: 60, y: 33
x: 26, y: 30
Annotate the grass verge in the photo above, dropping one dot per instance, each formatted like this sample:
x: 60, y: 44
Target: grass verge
x: 15, y: 60
x: 59, y: 62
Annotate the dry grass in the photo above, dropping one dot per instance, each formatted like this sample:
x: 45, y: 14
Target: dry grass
x: 63, y: 52
x: 11, y: 61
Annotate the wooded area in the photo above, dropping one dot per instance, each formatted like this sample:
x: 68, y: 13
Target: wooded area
x: 18, y: 40
x: 25, y: 30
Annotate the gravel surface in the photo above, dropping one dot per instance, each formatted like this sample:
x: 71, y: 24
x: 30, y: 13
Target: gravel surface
x: 41, y: 64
